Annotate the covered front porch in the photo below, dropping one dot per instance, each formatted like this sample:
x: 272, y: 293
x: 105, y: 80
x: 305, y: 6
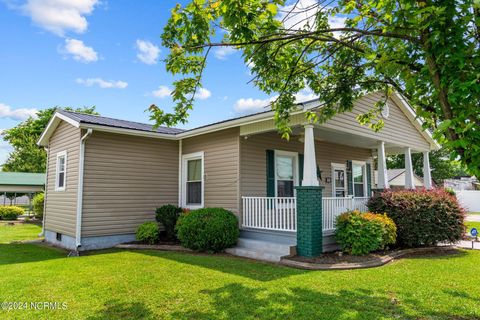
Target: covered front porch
x: 335, y: 161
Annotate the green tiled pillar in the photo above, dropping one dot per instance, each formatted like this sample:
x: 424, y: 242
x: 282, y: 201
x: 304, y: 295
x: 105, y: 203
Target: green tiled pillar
x: 309, y: 221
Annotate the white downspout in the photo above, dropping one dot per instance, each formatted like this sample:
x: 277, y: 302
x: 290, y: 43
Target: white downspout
x: 78, y: 236
x: 180, y: 151
x: 45, y: 193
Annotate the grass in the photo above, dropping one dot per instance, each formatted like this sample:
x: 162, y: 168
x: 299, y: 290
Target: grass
x: 27, y: 231
x: 474, y: 213
x: 472, y: 224
x: 116, y: 284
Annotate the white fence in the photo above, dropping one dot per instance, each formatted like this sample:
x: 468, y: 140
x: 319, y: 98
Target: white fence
x: 280, y: 213
x: 469, y: 199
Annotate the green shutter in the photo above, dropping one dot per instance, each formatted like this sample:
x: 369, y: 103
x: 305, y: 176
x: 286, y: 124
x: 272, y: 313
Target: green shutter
x: 300, y: 169
x: 270, y: 173
x: 349, y: 178
x: 369, y: 180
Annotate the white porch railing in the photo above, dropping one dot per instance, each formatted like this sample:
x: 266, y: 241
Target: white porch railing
x: 280, y: 213
x: 333, y: 207
x: 270, y: 213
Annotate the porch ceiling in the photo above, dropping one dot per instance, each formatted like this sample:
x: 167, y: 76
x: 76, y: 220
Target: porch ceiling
x: 348, y: 139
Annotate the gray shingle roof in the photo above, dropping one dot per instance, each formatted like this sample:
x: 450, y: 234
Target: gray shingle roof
x: 110, y: 122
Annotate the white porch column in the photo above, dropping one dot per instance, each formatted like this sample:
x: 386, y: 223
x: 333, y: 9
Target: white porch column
x: 382, y: 167
x: 427, y: 175
x: 409, y: 182
x: 309, y: 160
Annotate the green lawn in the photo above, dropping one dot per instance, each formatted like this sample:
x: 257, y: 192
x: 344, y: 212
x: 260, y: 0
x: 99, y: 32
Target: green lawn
x: 472, y: 224
x: 117, y: 284
x: 27, y: 231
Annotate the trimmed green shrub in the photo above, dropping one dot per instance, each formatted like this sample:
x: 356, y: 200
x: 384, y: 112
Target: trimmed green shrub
x: 148, y: 232
x: 361, y: 233
x: 168, y: 216
x: 208, y: 229
x: 37, y: 203
x: 422, y: 217
x: 11, y: 212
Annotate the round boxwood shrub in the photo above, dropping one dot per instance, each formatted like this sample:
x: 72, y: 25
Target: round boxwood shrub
x: 11, y: 212
x: 168, y: 216
x: 422, y: 217
x: 208, y: 229
x: 148, y: 232
x: 361, y: 233
x: 37, y: 203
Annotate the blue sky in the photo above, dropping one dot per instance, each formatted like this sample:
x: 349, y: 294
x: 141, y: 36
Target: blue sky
x: 108, y: 54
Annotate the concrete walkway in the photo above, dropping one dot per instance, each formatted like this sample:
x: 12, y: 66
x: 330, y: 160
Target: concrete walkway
x: 468, y: 245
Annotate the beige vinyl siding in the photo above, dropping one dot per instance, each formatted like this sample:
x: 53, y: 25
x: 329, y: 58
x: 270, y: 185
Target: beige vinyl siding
x: 398, y: 128
x: 221, y: 156
x: 253, y: 160
x: 61, y: 206
x: 126, y: 178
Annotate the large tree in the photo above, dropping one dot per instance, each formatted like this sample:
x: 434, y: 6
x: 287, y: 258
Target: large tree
x: 27, y: 156
x: 428, y: 50
x: 442, y: 166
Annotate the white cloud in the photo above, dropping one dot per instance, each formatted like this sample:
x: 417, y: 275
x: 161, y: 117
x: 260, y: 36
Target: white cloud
x: 223, y: 52
x: 303, y: 14
x: 59, y: 16
x: 203, y: 94
x: 147, y: 52
x: 79, y: 51
x: 162, y: 92
x: 250, y: 105
x: 104, y: 84
x: 16, y: 114
x: 305, y: 95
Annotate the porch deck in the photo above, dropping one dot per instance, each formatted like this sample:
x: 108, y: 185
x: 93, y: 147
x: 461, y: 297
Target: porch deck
x: 279, y: 213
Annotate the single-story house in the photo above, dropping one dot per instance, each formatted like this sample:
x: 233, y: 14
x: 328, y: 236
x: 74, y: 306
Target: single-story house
x: 397, y: 177
x: 106, y: 176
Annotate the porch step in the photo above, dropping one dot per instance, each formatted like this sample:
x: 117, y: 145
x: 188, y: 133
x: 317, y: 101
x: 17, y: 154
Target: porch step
x: 261, y: 250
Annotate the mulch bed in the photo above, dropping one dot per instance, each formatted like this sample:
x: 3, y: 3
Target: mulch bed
x: 336, y: 261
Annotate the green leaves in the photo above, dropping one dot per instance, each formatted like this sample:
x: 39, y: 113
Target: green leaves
x: 427, y: 51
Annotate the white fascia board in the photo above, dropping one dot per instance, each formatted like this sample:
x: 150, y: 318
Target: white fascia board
x: 52, y: 125
x: 130, y: 132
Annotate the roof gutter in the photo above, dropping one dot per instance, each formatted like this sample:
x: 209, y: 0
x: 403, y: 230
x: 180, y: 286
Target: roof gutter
x: 78, y: 235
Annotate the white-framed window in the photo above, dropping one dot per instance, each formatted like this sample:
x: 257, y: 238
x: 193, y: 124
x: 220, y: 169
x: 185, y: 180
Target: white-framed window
x: 286, y: 173
x: 193, y: 180
x: 339, y: 180
x: 61, y: 171
x: 359, y: 178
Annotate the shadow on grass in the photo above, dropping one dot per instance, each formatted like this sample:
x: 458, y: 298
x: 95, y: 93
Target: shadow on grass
x: 114, y: 309
x: 24, y: 253
x: 236, y: 301
x: 228, y: 264
x: 437, y: 255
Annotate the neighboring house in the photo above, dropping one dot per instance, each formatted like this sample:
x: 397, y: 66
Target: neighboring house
x: 107, y: 176
x: 397, y: 179
x: 462, y: 183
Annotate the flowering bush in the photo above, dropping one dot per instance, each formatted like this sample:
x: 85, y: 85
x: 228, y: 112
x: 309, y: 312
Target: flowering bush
x: 422, y: 217
x: 360, y: 233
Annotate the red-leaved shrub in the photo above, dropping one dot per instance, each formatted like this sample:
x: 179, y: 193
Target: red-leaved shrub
x: 422, y: 217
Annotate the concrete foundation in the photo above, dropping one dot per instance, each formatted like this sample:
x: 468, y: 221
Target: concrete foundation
x: 88, y: 243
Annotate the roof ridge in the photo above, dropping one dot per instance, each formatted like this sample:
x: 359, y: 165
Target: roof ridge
x: 117, y: 119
